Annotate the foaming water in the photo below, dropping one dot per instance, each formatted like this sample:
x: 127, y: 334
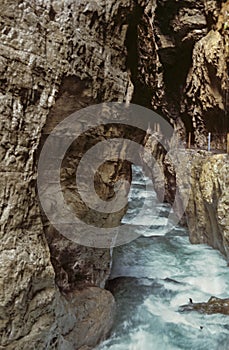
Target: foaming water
x: 155, y: 274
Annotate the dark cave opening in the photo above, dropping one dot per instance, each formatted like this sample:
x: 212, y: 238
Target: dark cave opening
x: 175, y: 72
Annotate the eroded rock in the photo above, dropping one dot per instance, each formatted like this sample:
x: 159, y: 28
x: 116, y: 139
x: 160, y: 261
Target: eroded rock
x: 206, y: 88
x: 94, y: 309
x: 212, y: 306
x: 73, y: 54
x: 196, y: 184
x: 207, y: 211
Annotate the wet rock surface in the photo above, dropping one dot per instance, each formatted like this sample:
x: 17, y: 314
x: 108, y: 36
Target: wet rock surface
x: 212, y: 306
x: 181, y: 65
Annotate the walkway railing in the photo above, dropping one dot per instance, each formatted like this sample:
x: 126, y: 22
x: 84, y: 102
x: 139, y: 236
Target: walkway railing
x: 215, y: 142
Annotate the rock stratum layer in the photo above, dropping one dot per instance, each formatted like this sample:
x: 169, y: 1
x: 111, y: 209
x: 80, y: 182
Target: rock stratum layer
x: 60, y: 56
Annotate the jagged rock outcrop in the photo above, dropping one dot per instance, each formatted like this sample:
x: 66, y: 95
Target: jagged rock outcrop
x: 166, y: 32
x: 207, y: 210
x: 196, y: 183
x: 165, y: 186
x: 206, y: 92
x: 199, y: 99
x: 180, y: 65
x: 212, y: 306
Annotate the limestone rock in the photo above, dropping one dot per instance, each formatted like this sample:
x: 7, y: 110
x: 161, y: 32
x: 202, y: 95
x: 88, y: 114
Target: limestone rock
x: 181, y: 64
x: 195, y: 183
x: 207, y: 211
x: 93, y: 308
x: 66, y: 54
x: 206, y: 88
x: 166, y: 34
x: 212, y: 306
x: 162, y: 173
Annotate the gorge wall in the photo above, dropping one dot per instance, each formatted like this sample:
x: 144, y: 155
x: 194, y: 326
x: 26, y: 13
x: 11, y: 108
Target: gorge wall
x: 60, y: 56
x: 198, y: 189
x: 179, y: 64
x: 56, y: 57
x: 207, y: 211
x: 200, y: 106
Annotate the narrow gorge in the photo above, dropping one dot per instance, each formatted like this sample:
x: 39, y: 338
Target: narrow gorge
x: 60, y: 57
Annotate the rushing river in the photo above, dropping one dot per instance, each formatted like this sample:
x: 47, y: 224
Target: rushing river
x: 155, y: 274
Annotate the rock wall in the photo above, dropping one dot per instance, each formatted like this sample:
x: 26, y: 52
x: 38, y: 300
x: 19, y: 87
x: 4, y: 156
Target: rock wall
x: 206, y: 91
x: 56, y: 57
x: 180, y: 64
x: 207, y: 211
x: 197, y: 185
x: 190, y: 45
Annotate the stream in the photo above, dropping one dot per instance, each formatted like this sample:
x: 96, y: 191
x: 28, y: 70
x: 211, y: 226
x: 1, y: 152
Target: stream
x: 155, y: 274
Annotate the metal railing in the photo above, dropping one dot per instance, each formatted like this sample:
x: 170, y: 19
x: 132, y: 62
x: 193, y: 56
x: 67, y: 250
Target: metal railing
x: 215, y: 142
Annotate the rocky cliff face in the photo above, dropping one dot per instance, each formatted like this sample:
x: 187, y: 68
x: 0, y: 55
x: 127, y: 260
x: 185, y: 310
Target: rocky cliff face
x: 56, y: 57
x: 206, y: 90
x: 207, y: 211
x: 180, y: 64
x: 200, y: 193
x: 60, y: 56
x: 201, y: 104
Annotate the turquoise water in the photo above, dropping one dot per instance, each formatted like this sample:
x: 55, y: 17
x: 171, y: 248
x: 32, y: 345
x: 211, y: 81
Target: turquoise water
x: 155, y: 274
